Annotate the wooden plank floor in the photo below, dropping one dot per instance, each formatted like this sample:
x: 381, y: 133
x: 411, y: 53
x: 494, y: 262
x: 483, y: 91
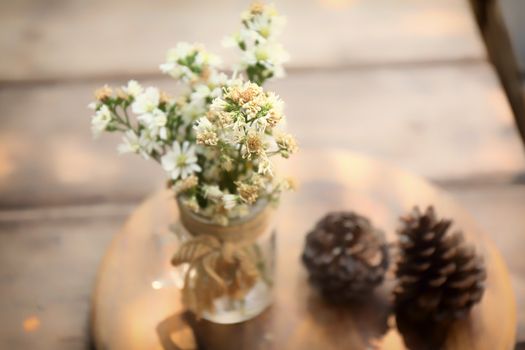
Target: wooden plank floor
x: 48, y: 265
x: 120, y: 37
x: 406, y: 81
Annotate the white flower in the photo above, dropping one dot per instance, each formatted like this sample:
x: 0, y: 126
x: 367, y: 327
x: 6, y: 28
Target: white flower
x: 212, y: 192
x: 192, y: 110
x: 249, y: 38
x: 257, y: 39
x: 101, y: 120
x: 276, y: 102
x: 131, y: 143
x: 267, y: 25
x: 167, y: 68
x: 180, y: 162
x: 200, y: 93
x: 180, y: 51
x: 191, y: 203
x: 239, y: 211
x: 218, y: 105
x: 155, y: 122
x: 287, y: 144
x: 259, y: 125
x: 177, y: 71
x: 203, y: 124
x: 229, y: 201
x: 144, y: 144
x: 156, y: 118
x: 217, y: 80
x: 265, y: 166
x: 271, y: 55
x: 211, y: 59
x: 233, y: 136
x: 186, y: 184
x: 186, y: 61
x: 147, y: 101
x: 133, y: 88
x: 205, y: 132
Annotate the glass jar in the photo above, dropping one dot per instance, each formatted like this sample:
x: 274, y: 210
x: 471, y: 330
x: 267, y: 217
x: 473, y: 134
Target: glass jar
x: 226, y: 273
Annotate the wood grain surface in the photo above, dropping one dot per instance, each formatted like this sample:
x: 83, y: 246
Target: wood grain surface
x: 129, y: 314
x: 48, y: 262
x: 86, y: 39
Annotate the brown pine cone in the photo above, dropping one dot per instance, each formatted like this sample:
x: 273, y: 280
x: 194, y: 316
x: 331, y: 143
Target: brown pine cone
x: 439, y: 276
x: 346, y: 256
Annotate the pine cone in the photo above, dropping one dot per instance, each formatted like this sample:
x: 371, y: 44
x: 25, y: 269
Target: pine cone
x: 346, y: 256
x: 439, y: 276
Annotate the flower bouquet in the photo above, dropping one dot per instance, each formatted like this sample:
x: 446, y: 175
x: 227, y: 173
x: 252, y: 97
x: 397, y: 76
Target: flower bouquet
x: 216, y: 142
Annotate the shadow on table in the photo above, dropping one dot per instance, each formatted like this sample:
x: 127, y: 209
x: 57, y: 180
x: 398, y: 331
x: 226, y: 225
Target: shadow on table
x: 325, y: 326
x: 184, y: 332
x: 321, y: 328
x: 422, y: 335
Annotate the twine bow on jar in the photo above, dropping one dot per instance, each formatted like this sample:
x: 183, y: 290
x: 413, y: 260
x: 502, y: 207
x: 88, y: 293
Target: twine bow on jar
x: 222, y: 260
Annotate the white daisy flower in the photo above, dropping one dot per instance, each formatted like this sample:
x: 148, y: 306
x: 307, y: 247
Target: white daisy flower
x: 270, y: 54
x: 267, y: 26
x: 133, y: 88
x: 265, y: 166
x: 275, y: 101
x: 180, y: 161
x: 155, y: 122
x: 130, y: 143
x: 200, y: 93
x: 185, y: 61
x: 218, y: 105
x: 144, y: 144
x: 154, y: 119
x: 212, y: 192
x: 192, y: 110
x: 249, y: 38
x: 257, y: 40
x: 217, y: 80
x: 183, y: 49
x: 147, y: 101
x: 177, y: 71
x: 229, y: 201
x: 101, y: 120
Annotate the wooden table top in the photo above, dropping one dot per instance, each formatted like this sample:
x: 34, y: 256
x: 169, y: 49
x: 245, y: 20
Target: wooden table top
x: 129, y: 314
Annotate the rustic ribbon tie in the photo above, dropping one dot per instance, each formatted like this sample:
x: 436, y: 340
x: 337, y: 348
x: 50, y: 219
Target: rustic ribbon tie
x: 222, y: 260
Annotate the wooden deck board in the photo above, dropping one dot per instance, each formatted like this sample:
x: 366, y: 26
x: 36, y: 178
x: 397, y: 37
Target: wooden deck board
x: 409, y: 116
x: 47, y: 272
x: 60, y: 39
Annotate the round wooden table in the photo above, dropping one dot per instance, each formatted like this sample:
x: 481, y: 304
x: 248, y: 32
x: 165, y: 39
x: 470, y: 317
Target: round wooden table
x: 135, y: 308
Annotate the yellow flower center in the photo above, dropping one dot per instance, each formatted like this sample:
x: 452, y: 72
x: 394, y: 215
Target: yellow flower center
x: 181, y: 160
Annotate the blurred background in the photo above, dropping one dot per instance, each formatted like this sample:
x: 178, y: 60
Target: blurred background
x: 433, y: 86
